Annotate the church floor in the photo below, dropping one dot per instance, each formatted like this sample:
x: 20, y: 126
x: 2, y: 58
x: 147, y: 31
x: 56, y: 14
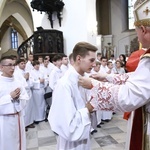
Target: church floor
x: 111, y: 136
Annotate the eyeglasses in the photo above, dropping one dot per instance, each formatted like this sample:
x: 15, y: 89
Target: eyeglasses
x: 10, y: 65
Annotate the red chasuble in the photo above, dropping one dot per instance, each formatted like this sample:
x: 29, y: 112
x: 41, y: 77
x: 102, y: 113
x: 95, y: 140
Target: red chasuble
x: 133, y: 60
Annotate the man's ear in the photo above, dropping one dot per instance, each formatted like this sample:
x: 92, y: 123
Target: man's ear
x: 143, y: 29
x: 78, y: 58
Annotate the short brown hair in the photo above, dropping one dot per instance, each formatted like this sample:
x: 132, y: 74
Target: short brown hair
x: 82, y: 49
x: 36, y: 62
x: 97, y: 63
x: 4, y: 58
x: 19, y: 61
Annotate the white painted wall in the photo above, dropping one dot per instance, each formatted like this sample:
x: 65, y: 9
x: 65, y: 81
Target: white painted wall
x: 120, y: 38
x: 78, y: 23
x: 20, y: 13
x: 6, y: 41
x: 20, y: 39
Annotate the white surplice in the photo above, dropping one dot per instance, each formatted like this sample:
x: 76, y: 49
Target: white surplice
x: 29, y: 66
x: 45, y: 71
x: 55, y: 75
x: 68, y: 116
x: 12, y: 115
x: 105, y: 115
x: 64, y: 68
x: 50, y: 66
x: 29, y: 109
x: 124, y: 93
x: 38, y: 95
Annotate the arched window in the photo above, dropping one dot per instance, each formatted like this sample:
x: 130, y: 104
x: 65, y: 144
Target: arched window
x: 14, y: 39
x: 130, y: 14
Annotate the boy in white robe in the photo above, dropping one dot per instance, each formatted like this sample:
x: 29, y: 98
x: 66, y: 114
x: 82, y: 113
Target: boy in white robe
x: 95, y: 70
x: 45, y: 70
x: 69, y: 115
x: 29, y: 65
x: 13, y: 97
x: 38, y: 90
x: 106, y: 115
x: 64, y: 67
x: 23, y: 76
x: 50, y: 65
x: 56, y: 73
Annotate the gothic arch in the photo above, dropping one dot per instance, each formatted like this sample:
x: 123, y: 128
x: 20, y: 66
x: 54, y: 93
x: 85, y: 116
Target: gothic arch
x: 14, y: 14
x: 22, y: 15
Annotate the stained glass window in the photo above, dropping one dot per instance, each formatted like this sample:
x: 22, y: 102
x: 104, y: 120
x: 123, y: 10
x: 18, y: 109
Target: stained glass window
x: 130, y: 14
x: 14, y: 39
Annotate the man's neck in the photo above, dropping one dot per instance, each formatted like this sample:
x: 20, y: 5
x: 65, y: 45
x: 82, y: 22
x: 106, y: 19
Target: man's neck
x: 78, y: 69
x: 5, y: 75
x: 21, y: 69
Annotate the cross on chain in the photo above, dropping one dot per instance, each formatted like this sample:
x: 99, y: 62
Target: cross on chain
x: 146, y: 11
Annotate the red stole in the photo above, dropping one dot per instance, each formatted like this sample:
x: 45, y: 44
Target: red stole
x: 137, y: 133
x: 133, y: 60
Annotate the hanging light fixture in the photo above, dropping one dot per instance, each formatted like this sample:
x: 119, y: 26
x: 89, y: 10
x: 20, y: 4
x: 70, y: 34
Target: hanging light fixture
x: 49, y: 7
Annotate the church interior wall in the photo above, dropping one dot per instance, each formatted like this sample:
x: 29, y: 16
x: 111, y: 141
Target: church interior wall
x: 20, y: 39
x: 21, y: 13
x: 6, y: 41
x: 120, y: 38
x: 78, y: 23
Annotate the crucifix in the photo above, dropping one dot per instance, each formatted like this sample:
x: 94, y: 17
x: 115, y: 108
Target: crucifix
x: 146, y: 11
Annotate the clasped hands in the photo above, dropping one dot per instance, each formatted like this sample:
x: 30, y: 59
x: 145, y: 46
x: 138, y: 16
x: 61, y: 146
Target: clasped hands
x: 15, y: 94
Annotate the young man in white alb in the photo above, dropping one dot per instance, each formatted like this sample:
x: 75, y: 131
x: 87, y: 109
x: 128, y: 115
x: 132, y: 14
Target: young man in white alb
x: 69, y: 115
x: 13, y: 98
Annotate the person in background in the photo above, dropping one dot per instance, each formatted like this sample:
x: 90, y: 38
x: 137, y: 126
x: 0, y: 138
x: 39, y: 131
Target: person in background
x: 64, y: 67
x: 50, y: 65
x: 106, y: 115
x: 112, y: 59
x: 45, y: 71
x: 29, y: 65
x: 56, y: 73
x: 69, y: 115
x: 99, y: 56
x: 40, y: 59
x: 23, y: 76
x: 98, y: 113
x: 110, y: 67
x: 103, y: 67
x: 122, y: 59
x: 96, y: 68
x: 37, y: 78
x: 71, y: 61
x: 13, y: 98
x: 118, y: 69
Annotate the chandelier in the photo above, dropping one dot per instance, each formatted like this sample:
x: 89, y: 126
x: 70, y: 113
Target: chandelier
x: 49, y: 7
